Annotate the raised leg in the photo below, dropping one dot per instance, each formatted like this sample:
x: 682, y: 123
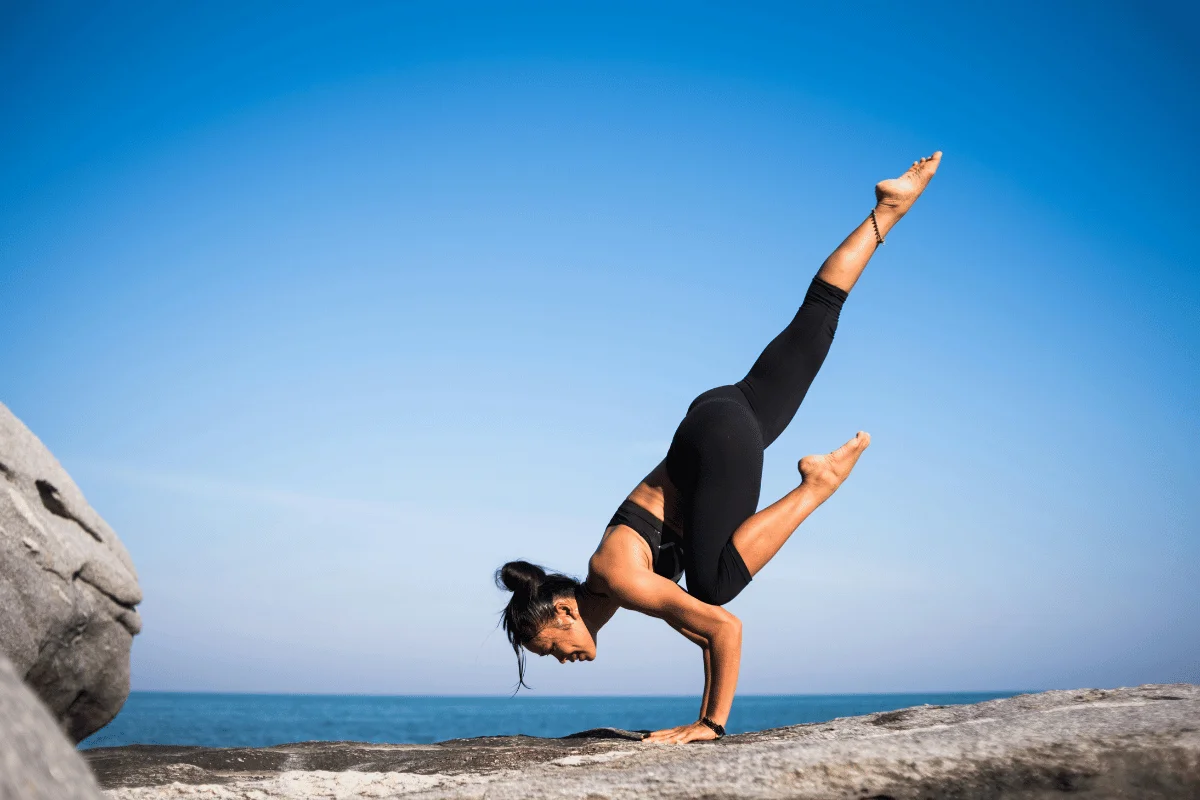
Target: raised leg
x: 761, y: 536
x: 777, y: 383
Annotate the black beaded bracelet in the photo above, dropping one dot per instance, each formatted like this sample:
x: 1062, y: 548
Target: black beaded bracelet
x: 878, y: 238
x: 719, y: 730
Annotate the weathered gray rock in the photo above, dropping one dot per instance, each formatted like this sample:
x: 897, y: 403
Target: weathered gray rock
x: 36, y: 760
x: 68, y: 589
x: 1139, y: 743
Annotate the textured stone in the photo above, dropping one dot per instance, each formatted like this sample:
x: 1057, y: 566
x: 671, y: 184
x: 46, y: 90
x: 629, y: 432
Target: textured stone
x: 36, y: 760
x: 1119, y: 743
x: 67, y: 587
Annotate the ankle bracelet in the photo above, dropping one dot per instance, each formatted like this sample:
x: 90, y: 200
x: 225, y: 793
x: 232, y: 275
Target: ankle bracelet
x: 878, y: 238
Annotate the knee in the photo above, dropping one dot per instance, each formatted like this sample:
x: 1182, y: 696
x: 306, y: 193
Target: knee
x: 717, y: 587
x: 715, y: 592
x: 705, y: 592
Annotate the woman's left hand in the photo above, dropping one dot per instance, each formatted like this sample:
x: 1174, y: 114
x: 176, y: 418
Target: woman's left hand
x: 696, y: 732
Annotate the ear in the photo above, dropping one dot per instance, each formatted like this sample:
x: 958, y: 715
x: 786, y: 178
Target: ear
x: 566, y: 608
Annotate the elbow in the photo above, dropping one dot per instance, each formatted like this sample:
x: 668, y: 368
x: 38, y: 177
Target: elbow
x: 731, y: 628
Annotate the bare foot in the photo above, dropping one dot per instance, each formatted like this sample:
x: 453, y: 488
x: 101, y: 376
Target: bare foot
x: 828, y: 471
x: 898, y: 194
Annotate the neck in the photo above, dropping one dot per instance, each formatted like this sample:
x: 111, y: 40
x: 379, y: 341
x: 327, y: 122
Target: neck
x: 594, y: 609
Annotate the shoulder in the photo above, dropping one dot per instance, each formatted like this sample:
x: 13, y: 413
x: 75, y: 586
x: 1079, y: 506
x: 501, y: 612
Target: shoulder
x: 622, y: 553
x: 623, y: 567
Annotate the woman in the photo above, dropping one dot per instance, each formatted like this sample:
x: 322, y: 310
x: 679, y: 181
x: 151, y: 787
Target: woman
x: 695, y: 513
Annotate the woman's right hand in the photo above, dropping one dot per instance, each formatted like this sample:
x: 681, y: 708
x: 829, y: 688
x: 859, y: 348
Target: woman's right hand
x: 696, y: 732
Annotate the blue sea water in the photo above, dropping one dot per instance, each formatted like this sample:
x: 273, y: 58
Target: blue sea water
x: 248, y: 720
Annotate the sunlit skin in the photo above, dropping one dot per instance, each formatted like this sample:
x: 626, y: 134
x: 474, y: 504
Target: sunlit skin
x: 620, y: 572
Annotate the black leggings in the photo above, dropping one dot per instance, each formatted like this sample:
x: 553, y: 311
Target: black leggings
x: 716, y: 456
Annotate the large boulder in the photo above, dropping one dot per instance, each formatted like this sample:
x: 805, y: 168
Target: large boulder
x: 1141, y: 743
x: 36, y: 760
x: 68, y: 588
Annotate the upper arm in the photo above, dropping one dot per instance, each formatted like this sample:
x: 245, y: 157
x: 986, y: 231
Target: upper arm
x: 623, y: 564
x: 652, y: 594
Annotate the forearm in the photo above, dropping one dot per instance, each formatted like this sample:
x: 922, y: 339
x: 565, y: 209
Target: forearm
x: 705, y: 649
x: 718, y: 632
x: 722, y: 660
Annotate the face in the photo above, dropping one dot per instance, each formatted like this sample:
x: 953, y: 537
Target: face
x: 566, y: 638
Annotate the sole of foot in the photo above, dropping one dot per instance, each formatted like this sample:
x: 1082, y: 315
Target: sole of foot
x: 898, y: 194
x: 829, y: 470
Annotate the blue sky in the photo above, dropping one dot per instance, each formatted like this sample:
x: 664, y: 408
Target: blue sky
x: 331, y: 311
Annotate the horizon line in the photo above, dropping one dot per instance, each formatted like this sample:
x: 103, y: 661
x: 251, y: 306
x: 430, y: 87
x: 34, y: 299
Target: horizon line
x: 589, y: 696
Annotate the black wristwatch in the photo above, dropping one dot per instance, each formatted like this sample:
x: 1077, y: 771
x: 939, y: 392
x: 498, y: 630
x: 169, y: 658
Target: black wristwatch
x: 719, y: 730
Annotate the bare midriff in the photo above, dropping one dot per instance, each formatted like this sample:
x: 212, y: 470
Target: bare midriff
x: 658, y: 495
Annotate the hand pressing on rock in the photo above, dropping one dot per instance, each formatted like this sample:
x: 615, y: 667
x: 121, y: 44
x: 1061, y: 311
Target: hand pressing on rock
x: 696, y: 732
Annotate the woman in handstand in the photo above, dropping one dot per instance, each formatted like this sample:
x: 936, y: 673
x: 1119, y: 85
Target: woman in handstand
x: 694, y: 514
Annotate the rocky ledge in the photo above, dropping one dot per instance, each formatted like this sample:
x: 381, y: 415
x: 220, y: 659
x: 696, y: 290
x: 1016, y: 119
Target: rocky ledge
x: 1113, y: 743
x: 68, y: 590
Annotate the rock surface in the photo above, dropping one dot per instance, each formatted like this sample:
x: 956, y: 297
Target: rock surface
x: 68, y: 589
x: 1121, y: 743
x: 36, y: 761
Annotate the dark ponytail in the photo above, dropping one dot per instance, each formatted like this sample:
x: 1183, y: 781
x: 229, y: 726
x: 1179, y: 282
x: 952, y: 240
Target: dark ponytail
x: 531, y: 607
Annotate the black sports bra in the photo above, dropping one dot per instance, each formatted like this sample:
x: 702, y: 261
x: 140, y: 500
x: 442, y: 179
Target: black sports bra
x: 666, y: 544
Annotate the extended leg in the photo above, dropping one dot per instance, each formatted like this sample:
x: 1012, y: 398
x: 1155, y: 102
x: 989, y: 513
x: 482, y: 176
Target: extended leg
x: 782, y: 375
x: 761, y: 536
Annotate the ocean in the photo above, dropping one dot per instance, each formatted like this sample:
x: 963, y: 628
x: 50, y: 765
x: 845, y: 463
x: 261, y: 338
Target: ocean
x: 261, y: 720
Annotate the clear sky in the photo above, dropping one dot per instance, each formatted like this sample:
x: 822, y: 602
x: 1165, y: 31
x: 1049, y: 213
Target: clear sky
x: 331, y: 309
